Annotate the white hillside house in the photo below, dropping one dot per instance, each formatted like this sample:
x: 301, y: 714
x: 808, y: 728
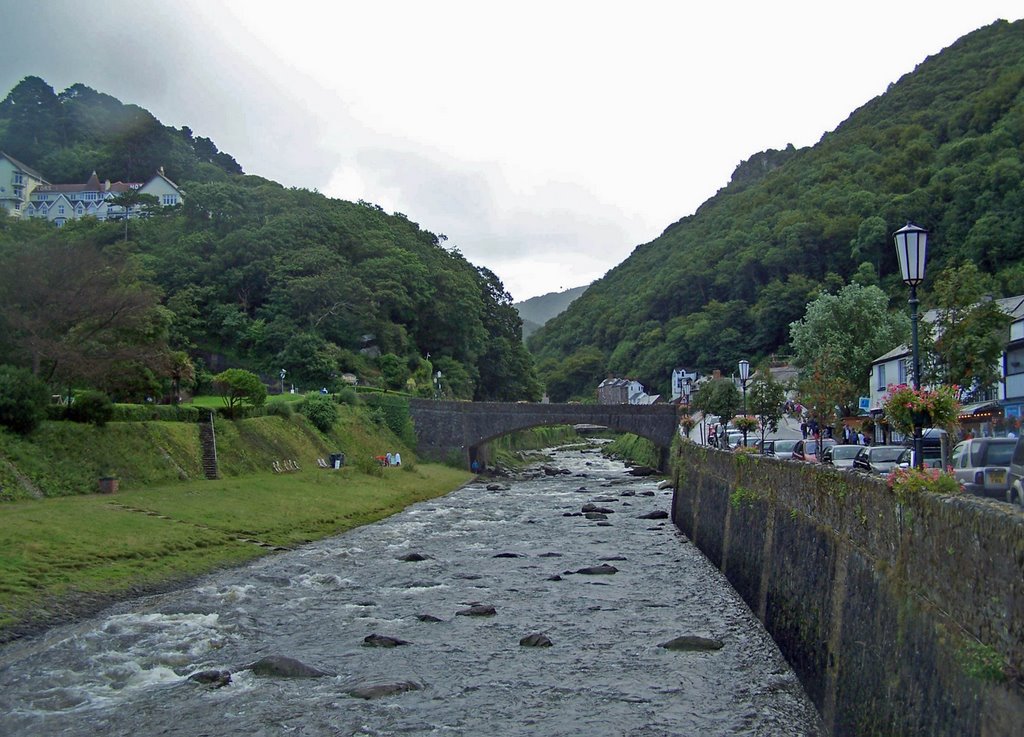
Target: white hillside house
x: 31, y: 196
x: 17, y: 182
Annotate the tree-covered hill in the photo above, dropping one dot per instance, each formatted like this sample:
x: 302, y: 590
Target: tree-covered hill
x: 267, y: 277
x: 943, y: 148
x: 69, y: 135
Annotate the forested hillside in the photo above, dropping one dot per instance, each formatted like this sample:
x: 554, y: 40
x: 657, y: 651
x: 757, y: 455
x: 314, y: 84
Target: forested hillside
x: 943, y: 148
x: 69, y: 135
x: 268, y: 277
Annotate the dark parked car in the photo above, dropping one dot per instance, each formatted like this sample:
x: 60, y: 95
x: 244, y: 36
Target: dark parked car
x: 840, y: 456
x: 807, y: 450
x: 878, y: 459
x: 982, y: 465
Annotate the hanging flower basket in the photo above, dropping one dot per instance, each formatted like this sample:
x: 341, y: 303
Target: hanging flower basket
x: 906, y: 408
x: 745, y: 423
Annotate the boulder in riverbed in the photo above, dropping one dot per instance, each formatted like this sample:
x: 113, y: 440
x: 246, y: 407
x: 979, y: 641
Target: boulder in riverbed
x: 537, y: 639
x: 376, y: 640
x: 689, y: 643
x: 379, y: 690
x: 478, y: 610
x: 211, y: 678
x: 660, y: 514
x: 602, y: 570
x: 281, y: 666
x: 414, y: 557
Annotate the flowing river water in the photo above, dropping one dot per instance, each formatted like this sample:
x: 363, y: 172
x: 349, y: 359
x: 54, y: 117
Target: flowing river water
x: 516, y: 549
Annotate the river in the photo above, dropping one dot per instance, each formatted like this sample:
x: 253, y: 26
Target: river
x: 517, y: 549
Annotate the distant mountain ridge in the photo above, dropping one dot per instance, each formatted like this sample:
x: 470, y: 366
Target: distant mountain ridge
x: 538, y: 310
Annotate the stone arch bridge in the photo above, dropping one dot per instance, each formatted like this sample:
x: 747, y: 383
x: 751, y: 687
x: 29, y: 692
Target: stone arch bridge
x: 444, y: 429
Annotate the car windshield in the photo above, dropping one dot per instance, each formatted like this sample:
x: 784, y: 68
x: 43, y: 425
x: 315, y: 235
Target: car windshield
x: 996, y: 454
x: 885, y: 454
x: 785, y: 446
x: 845, y: 452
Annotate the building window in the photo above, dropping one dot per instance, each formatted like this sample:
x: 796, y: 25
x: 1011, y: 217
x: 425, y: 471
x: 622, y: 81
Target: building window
x: 1015, y: 362
x: 901, y: 371
x: 60, y: 209
x: 18, y: 178
x: 881, y: 376
x: 169, y: 200
x: 17, y: 205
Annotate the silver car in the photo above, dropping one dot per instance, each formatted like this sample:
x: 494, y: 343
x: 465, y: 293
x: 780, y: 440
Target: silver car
x: 840, y: 456
x: 878, y: 459
x: 982, y: 465
x: 783, y: 448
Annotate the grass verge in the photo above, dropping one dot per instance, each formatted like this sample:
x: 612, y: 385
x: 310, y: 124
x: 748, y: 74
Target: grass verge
x: 63, y: 557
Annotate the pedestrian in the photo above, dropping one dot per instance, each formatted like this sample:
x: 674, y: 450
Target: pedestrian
x: 388, y: 459
x: 475, y: 466
x: 803, y: 429
x: 397, y: 459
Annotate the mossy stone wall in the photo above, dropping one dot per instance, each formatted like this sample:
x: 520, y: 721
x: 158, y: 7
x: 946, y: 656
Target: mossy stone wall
x: 901, y: 616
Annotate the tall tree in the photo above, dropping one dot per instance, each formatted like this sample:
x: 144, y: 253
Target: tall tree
x: 970, y: 331
x: 71, y: 312
x: 841, y: 334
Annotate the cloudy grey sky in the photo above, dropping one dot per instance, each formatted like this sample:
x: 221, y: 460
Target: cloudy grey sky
x: 545, y: 139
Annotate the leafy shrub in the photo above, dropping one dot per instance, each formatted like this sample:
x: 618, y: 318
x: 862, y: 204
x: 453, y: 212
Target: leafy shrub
x: 23, y: 400
x: 368, y: 466
x: 348, y: 396
x: 92, y: 407
x: 321, y: 410
x: 281, y: 409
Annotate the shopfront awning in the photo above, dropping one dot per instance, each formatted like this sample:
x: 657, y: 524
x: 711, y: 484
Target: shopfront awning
x: 980, y: 411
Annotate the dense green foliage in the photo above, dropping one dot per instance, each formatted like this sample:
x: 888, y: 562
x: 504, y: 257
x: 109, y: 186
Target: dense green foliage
x: 261, y: 276
x: 841, y: 334
x: 320, y: 410
x: 23, y: 399
x: 942, y: 148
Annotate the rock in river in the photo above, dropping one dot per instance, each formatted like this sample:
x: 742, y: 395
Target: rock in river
x: 660, y: 514
x: 478, y: 610
x: 376, y: 640
x: 601, y: 570
x: 281, y: 666
x: 536, y: 640
x: 377, y: 690
x: 692, y: 642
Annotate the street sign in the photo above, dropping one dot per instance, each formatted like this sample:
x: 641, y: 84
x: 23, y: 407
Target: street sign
x: 865, y: 404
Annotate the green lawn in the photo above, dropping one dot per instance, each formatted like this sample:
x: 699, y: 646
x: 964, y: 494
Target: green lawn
x: 106, y: 544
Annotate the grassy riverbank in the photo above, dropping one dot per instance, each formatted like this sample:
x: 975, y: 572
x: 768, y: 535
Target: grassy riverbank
x: 63, y: 557
x: 66, y: 550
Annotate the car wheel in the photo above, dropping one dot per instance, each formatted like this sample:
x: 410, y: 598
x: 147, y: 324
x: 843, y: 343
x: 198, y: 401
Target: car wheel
x: 1013, y: 495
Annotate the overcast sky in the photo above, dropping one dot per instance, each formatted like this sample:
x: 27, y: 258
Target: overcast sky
x: 545, y: 139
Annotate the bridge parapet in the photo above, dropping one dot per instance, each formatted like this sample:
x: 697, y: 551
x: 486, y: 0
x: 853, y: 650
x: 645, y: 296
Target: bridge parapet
x: 444, y: 427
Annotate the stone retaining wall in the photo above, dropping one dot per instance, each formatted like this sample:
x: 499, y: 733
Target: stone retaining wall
x: 897, y: 615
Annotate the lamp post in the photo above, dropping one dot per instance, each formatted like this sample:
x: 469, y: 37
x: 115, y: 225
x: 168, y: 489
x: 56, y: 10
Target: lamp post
x: 744, y: 375
x: 912, y: 251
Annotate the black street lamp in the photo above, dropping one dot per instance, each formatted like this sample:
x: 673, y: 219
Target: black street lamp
x: 744, y: 375
x: 912, y: 251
